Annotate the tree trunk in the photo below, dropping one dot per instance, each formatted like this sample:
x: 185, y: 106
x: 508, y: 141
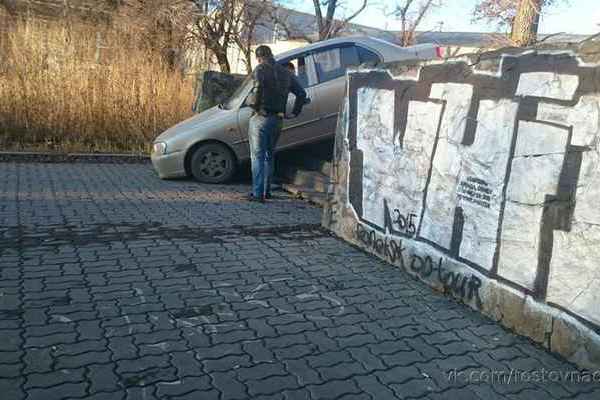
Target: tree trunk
x: 221, y: 55
x: 248, y: 59
x: 325, y: 32
x: 329, y: 20
x: 407, y: 38
x: 525, y: 24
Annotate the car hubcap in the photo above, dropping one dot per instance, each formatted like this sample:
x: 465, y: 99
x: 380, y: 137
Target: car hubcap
x: 213, y: 164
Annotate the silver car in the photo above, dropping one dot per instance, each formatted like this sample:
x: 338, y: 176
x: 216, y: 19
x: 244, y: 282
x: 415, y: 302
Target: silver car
x: 211, y: 145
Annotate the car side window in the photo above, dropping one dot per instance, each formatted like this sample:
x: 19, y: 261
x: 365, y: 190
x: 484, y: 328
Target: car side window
x: 298, y: 68
x: 333, y: 63
x: 349, y: 57
x: 367, y: 56
x: 329, y: 64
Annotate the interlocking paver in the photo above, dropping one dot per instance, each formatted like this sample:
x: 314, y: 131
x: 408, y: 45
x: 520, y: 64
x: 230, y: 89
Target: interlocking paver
x: 117, y: 285
x: 10, y: 370
x: 78, y: 348
x: 285, y: 341
x: 462, y: 393
x: 334, y: 389
x: 11, y: 356
x: 227, y: 363
x: 398, y: 375
x: 55, y: 378
x: 142, y: 392
x: 83, y: 359
x: 103, y: 396
x: 142, y: 364
x: 12, y: 388
x: 369, y: 361
x: 229, y: 386
x: 149, y: 377
x: 122, y: 348
x: 261, y: 328
x: 342, y: 371
x: 183, y: 386
x: 38, y: 360
x: 261, y: 371
x: 271, y: 385
x: 58, y: 392
x: 295, y: 351
x: 258, y: 352
x: 102, y: 377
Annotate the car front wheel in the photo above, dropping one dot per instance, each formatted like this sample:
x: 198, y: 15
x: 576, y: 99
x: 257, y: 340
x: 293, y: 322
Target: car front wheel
x: 213, y: 163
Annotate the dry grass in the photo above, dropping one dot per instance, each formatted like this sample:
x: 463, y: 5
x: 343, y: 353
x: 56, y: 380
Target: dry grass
x: 54, y: 95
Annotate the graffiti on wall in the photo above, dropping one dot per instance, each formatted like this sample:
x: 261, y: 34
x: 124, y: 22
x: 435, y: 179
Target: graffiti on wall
x: 425, y: 267
x: 499, y: 171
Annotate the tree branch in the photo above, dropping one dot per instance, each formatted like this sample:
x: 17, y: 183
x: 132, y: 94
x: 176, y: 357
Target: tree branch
x: 318, y: 16
x: 361, y: 9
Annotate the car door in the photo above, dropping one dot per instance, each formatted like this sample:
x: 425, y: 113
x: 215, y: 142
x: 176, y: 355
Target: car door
x: 294, y: 130
x: 331, y: 64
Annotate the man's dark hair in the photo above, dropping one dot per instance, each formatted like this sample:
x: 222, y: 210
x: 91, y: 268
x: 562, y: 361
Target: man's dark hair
x: 264, y: 52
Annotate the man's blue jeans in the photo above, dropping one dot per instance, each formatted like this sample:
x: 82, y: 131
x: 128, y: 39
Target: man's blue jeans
x: 263, y: 132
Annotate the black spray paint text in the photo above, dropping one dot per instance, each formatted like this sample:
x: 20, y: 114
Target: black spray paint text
x: 462, y: 286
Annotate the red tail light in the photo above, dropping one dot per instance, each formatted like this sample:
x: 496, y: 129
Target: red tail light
x: 439, y: 52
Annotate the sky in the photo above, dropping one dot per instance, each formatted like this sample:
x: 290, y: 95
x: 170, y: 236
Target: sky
x: 568, y: 16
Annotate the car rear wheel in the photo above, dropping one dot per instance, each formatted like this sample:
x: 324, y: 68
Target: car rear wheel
x: 213, y: 163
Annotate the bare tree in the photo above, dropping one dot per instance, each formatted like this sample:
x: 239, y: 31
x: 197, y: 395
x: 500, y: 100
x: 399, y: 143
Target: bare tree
x: 500, y: 12
x: 221, y: 24
x: 214, y: 27
x: 327, y: 23
x: 161, y: 24
x: 525, y: 25
x: 522, y: 16
x: 411, y: 13
x: 256, y: 14
x: 325, y: 10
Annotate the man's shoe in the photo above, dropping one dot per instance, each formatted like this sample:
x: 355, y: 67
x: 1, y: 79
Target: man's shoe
x: 260, y: 199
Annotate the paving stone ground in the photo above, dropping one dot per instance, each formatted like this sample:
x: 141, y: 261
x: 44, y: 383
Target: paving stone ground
x: 116, y: 285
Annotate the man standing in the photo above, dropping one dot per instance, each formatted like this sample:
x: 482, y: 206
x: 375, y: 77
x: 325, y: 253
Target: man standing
x: 272, y: 85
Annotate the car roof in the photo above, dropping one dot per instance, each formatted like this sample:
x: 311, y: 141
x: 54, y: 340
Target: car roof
x: 376, y: 44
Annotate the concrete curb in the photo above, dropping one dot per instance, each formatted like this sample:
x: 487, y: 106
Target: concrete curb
x: 40, y: 157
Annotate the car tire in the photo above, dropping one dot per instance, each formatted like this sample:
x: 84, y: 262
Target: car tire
x: 213, y: 163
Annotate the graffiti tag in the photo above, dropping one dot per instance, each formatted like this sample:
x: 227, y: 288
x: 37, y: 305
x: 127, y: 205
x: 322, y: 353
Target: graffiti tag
x: 425, y: 267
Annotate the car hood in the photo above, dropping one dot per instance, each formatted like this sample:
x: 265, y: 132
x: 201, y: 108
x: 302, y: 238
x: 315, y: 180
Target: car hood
x: 191, y: 124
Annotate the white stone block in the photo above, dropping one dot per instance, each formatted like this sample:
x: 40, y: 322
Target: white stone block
x: 537, y: 138
x: 584, y: 118
x: 532, y: 178
x: 391, y: 172
x: 519, y: 245
x: 574, y: 281
x: 548, y: 84
x: 587, y: 209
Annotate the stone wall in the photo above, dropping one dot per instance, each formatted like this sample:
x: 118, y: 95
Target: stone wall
x: 481, y: 176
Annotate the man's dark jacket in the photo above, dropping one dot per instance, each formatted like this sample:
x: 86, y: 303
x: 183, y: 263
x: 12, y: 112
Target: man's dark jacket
x: 272, y: 85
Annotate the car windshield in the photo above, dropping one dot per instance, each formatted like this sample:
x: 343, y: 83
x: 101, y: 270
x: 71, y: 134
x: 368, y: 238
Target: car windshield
x: 237, y: 96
